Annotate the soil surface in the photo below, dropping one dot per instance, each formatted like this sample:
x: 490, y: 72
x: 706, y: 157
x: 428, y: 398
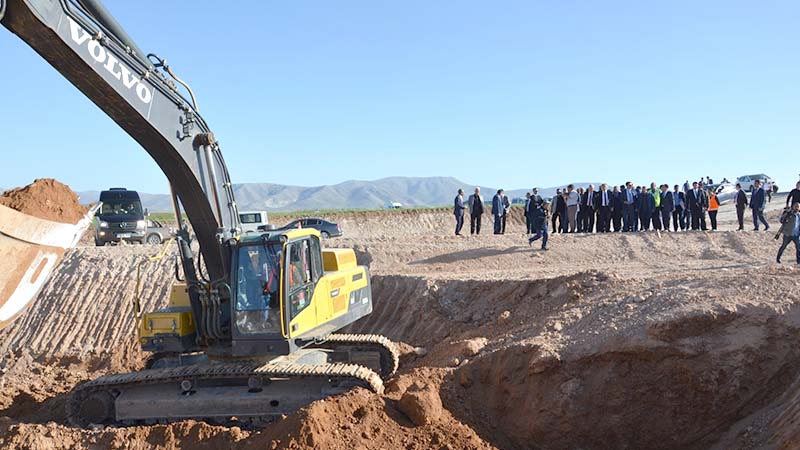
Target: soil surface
x: 46, y: 198
x: 630, y: 341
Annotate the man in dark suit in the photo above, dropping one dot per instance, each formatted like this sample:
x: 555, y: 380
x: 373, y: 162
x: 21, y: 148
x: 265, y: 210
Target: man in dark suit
x: 588, y: 208
x: 794, y: 195
x: 604, y: 201
x: 527, y: 211
x: 628, y: 207
x: 475, y: 204
x: 698, y: 204
x: 560, y: 212
x: 741, y: 205
x: 616, y: 208
x: 758, y: 202
x: 667, y: 206
x: 679, y: 213
x: 458, y: 211
x: 498, y: 207
x: 537, y: 199
x: 647, y: 204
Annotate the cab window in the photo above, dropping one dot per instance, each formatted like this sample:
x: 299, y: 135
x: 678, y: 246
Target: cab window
x: 303, y: 270
x: 257, y: 308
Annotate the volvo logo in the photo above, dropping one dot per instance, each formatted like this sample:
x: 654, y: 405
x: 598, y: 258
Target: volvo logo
x: 110, y: 63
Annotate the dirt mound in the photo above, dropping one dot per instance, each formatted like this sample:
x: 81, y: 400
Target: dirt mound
x: 46, y: 198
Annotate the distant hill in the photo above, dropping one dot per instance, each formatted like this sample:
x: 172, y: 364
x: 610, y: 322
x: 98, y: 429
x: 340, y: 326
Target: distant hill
x: 354, y: 194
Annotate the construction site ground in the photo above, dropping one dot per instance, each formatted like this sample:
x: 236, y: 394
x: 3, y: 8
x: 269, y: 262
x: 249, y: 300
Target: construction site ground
x: 625, y: 341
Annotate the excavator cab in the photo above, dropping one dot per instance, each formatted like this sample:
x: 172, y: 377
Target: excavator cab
x: 287, y: 293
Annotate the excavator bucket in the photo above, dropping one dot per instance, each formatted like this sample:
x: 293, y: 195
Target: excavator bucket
x: 30, y: 248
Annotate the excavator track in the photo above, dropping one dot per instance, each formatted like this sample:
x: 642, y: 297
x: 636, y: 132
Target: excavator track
x: 217, y: 393
x: 367, y: 343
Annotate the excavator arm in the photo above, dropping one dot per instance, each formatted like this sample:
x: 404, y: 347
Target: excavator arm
x: 91, y: 50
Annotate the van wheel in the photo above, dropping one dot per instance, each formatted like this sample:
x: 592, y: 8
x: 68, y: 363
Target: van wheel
x: 154, y: 239
x: 99, y: 243
x: 325, y: 234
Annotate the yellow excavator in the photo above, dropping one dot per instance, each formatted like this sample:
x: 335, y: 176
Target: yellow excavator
x: 250, y: 330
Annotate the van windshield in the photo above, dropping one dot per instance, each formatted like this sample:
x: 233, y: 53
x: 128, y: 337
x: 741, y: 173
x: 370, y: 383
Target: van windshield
x: 122, y: 207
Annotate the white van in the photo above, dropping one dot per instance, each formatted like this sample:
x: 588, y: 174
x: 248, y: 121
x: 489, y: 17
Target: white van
x: 251, y: 220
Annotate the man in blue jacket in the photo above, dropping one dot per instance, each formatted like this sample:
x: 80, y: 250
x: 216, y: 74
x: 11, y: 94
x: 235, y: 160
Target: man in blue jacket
x: 498, y: 208
x: 647, y: 204
x: 758, y: 202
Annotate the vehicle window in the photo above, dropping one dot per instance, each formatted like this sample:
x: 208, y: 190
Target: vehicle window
x: 121, y: 208
x: 300, y: 281
x: 316, y: 259
x: 256, y: 289
x: 316, y: 222
x: 250, y: 218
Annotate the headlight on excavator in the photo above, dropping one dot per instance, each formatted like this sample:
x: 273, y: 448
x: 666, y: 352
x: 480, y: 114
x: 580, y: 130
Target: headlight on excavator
x: 140, y: 224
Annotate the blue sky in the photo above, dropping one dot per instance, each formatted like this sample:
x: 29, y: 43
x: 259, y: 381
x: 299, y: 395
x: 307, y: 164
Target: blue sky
x: 506, y: 93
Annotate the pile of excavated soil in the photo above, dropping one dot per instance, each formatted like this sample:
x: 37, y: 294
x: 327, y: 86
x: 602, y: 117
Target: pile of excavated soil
x: 46, y: 198
x: 687, y: 341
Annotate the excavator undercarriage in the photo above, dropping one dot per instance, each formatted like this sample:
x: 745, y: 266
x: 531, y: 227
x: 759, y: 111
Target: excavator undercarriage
x: 236, y: 392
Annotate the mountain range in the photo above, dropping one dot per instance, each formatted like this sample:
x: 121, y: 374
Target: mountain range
x: 354, y: 194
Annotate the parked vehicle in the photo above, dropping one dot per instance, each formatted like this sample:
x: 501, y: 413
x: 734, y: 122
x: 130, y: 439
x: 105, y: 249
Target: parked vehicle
x: 747, y: 181
x: 326, y: 228
x: 252, y: 220
x: 120, y: 217
x: 726, y: 192
x: 393, y: 205
x: 158, y: 232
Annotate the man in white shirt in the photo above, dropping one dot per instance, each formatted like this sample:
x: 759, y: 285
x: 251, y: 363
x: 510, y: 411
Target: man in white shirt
x: 572, y: 198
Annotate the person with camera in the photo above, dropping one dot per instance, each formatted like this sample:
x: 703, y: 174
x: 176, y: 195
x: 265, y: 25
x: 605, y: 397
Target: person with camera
x: 790, y: 229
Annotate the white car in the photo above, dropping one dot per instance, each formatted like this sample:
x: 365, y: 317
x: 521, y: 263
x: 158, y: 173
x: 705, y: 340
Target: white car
x: 726, y: 192
x: 251, y: 220
x: 747, y: 181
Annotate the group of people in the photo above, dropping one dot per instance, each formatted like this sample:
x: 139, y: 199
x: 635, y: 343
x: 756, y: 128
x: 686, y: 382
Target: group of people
x: 627, y: 208
x: 624, y: 208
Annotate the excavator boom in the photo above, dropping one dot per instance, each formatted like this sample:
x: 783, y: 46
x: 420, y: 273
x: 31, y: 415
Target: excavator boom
x: 84, y: 43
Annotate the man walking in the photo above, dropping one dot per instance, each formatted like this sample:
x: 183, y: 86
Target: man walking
x: 497, y: 211
x: 790, y: 228
x: 678, y: 216
x: 475, y: 203
x: 572, y: 200
x: 741, y: 205
x: 758, y: 202
x: 667, y: 206
x: 458, y: 211
x: 604, y: 205
x: 698, y: 203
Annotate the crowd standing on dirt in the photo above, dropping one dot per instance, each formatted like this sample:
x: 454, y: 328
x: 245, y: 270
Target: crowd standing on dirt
x: 624, y: 209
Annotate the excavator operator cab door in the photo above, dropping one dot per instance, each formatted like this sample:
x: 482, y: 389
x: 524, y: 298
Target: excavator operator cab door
x: 273, y: 286
x: 256, y: 289
x: 302, y: 270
